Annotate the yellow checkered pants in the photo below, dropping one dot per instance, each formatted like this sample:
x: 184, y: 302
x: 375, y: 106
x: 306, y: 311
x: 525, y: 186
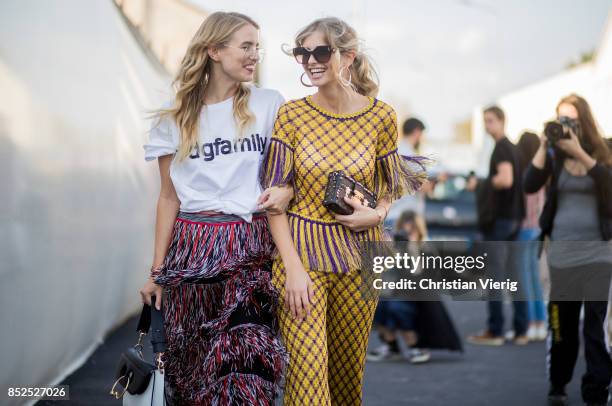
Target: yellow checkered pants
x: 327, y: 350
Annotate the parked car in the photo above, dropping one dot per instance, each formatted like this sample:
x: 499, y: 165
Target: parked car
x: 450, y: 213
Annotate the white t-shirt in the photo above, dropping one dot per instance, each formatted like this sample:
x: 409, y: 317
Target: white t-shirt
x: 222, y: 175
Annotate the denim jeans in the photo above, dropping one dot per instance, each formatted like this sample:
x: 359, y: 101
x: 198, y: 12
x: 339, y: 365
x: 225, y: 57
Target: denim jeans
x: 503, y: 263
x: 396, y: 315
x: 530, y: 268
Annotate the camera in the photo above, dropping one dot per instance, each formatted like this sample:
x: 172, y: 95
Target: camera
x: 560, y: 129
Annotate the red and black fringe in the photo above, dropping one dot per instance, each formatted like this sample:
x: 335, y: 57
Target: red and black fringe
x: 220, y: 314
x: 209, y: 252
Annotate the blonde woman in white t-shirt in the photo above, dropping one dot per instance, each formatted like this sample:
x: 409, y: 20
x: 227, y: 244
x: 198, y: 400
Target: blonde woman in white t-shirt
x: 212, y: 261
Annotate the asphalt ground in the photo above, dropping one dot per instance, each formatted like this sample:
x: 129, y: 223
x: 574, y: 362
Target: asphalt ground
x: 507, y: 375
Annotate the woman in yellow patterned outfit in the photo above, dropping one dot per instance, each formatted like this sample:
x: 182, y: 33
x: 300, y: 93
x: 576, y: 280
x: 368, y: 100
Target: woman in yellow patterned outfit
x: 324, y: 321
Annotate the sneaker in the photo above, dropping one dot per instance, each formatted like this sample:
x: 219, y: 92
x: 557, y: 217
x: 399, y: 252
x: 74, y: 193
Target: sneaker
x: 541, y: 333
x: 486, y: 338
x: 532, y: 332
x: 521, y: 340
x: 383, y: 353
x: 557, y: 397
x: 509, y: 336
x: 418, y: 356
x: 537, y: 333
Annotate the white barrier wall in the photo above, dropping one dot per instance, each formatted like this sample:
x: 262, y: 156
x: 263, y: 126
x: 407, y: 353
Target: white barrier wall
x: 166, y: 26
x: 78, y: 200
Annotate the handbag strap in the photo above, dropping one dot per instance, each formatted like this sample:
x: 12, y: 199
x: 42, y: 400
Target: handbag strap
x: 152, y: 319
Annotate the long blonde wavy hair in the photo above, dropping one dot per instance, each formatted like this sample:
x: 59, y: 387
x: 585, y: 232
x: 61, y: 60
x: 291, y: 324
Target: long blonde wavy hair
x: 342, y: 36
x: 193, y: 75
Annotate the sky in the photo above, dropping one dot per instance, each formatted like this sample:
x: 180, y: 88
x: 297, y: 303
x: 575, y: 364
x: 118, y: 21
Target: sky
x: 436, y: 59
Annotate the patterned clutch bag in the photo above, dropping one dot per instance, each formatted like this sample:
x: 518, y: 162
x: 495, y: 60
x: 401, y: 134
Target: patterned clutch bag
x: 340, y: 185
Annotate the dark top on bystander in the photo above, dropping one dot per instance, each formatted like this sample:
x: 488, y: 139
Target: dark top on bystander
x: 510, y: 203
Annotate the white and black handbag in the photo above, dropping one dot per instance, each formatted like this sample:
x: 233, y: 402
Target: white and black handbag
x: 138, y: 381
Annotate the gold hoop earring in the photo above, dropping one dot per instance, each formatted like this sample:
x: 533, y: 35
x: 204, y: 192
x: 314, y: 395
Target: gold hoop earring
x: 302, y: 81
x: 341, y: 77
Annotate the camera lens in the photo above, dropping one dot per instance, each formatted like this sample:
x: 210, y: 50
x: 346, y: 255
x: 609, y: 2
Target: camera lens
x: 553, y: 131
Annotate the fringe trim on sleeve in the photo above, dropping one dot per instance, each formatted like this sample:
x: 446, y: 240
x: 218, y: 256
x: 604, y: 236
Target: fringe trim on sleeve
x: 277, y: 166
x: 397, y: 175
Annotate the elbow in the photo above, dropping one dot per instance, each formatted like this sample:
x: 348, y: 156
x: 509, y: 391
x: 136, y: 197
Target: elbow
x: 600, y: 173
x: 532, y: 182
x: 169, y: 199
x: 529, y: 187
x: 527, y: 183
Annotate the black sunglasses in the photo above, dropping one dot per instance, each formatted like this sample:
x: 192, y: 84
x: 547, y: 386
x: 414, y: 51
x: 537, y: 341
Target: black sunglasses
x: 322, y: 54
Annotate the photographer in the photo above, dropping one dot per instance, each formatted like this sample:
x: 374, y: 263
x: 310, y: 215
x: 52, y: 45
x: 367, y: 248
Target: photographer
x: 576, y: 159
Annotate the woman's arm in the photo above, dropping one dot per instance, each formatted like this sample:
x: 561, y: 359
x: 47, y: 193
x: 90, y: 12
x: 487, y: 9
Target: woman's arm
x: 363, y: 217
x: 385, y: 204
x: 168, y: 206
x: 538, y: 170
x: 299, y: 293
x: 505, y: 177
x: 394, y: 176
x: 601, y: 174
x: 277, y: 170
x: 539, y: 159
x: 276, y: 199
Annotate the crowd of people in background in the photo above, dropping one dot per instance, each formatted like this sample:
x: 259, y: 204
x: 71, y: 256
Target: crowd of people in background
x: 540, y: 192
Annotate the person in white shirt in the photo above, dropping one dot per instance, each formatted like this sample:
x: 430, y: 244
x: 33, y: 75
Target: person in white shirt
x: 213, y: 250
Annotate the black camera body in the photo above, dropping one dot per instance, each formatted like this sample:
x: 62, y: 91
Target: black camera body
x: 560, y: 129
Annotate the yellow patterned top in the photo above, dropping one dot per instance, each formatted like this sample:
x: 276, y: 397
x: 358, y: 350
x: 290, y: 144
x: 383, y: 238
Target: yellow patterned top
x: 307, y: 144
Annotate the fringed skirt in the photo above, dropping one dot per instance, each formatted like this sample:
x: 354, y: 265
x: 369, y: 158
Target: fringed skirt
x: 220, y: 312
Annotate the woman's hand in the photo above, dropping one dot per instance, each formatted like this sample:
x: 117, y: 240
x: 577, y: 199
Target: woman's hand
x: 149, y: 289
x: 299, y: 291
x: 571, y: 146
x: 363, y: 217
x: 275, y: 199
x: 543, y: 141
